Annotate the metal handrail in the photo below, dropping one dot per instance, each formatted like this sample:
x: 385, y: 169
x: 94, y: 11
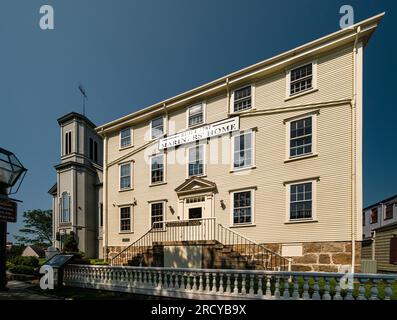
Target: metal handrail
x: 255, y: 251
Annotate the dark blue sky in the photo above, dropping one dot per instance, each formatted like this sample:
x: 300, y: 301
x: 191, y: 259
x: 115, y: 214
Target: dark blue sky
x: 130, y: 54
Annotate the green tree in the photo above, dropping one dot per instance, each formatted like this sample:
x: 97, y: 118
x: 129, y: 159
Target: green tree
x: 37, y: 228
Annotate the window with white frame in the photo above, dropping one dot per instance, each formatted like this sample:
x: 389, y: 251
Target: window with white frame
x: 157, y: 127
x: 125, y: 138
x: 243, y: 150
x: 125, y: 176
x: 196, y: 161
x: 157, y: 169
x: 65, y: 217
x: 242, y: 202
x: 301, y: 201
x: 242, y: 99
x: 125, y: 219
x: 157, y: 214
x: 301, y: 79
x: 195, y: 115
x: 301, y: 137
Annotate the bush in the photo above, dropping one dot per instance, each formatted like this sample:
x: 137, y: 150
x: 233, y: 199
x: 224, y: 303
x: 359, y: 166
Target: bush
x: 25, y: 261
x: 21, y: 269
x: 98, y: 262
x: 70, y: 244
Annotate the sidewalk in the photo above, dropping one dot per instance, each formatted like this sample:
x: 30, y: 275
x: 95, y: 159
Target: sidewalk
x: 18, y: 290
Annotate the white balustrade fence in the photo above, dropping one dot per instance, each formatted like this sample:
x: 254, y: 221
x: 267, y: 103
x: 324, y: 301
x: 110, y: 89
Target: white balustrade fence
x: 232, y: 284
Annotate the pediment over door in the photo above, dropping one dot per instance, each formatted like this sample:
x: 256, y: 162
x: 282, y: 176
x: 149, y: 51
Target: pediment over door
x: 195, y: 185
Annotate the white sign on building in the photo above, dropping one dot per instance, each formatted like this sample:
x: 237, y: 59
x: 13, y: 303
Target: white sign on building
x: 211, y: 130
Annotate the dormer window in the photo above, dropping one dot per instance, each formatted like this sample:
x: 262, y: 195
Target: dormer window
x: 125, y: 138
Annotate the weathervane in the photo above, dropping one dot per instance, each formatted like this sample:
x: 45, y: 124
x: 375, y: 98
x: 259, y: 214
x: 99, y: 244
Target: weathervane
x: 82, y: 90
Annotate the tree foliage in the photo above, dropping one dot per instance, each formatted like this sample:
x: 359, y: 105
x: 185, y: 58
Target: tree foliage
x: 37, y: 228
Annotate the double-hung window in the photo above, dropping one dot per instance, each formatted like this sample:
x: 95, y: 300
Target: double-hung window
x: 301, y: 137
x: 125, y: 219
x: 301, y: 79
x: 157, y: 169
x: 374, y: 215
x: 125, y: 138
x: 125, y: 176
x: 301, y: 201
x: 243, y: 150
x: 242, y: 207
x: 195, y: 115
x: 157, y: 214
x: 242, y: 99
x: 157, y: 127
x: 196, y: 161
x: 389, y: 211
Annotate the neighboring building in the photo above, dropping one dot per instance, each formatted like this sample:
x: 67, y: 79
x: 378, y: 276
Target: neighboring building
x: 380, y: 234
x: 378, y: 215
x: 272, y: 152
x: 77, y: 194
x: 33, y: 251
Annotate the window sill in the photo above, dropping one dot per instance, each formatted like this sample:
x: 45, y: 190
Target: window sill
x: 231, y: 114
x: 301, y: 94
x: 242, y: 169
x: 243, y: 225
x: 198, y: 176
x: 126, y: 147
x: 157, y: 184
x: 126, y: 232
x: 301, y: 221
x: 125, y: 190
x: 306, y: 156
x: 195, y: 126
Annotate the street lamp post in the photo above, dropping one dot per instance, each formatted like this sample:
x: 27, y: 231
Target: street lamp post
x: 11, y: 171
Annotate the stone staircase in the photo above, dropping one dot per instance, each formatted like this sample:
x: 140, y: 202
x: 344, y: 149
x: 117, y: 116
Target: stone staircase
x: 219, y: 257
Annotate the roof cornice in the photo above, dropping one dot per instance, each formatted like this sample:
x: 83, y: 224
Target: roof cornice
x: 328, y: 42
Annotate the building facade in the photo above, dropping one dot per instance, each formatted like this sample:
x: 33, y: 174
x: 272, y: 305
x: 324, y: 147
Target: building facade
x: 273, y: 152
x: 380, y: 234
x: 77, y: 194
x: 379, y: 214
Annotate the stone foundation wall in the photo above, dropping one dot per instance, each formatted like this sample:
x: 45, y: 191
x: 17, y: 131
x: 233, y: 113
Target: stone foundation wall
x: 322, y: 256
x: 316, y: 256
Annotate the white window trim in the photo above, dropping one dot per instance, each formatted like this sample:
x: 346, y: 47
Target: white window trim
x: 131, y: 219
x: 314, y: 201
x: 131, y: 139
x: 164, y: 127
x: 164, y: 169
x: 313, y: 115
x: 253, y: 107
x: 204, y: 160
x: 314, y: 87
x: 164, y: 202
x: 204, y: 105
x: 253, y: 155
x: 252, y: 223
x: 131, y: 176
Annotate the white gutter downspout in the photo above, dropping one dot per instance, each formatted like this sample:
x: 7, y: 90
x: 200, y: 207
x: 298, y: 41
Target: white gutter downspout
x: 354, y: 141
x: 228, y: 95
x: 105, y: 196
